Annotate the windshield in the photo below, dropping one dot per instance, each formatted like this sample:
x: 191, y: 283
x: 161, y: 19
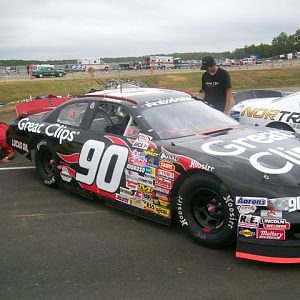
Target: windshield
x: 185, y: 118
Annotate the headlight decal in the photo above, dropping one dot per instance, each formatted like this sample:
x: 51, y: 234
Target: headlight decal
x: 270, y: 223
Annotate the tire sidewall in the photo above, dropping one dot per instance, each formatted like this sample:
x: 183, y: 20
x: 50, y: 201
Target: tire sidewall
x: 224, y: 235
x: 41, y: 147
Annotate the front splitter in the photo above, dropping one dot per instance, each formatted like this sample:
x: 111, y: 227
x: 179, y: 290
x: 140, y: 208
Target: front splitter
x: 281, y: 252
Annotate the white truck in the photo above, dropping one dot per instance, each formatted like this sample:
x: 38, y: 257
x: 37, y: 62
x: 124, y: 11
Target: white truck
x: 95, y: 63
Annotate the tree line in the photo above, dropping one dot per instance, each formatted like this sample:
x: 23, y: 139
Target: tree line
x: 281, y: 44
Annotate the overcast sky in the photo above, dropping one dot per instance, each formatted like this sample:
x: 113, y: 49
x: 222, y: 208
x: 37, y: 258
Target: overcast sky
x: 56, y: 29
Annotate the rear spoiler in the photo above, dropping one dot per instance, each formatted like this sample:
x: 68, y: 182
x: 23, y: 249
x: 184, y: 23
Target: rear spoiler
x: 40, y: 105
x: 254, y: 94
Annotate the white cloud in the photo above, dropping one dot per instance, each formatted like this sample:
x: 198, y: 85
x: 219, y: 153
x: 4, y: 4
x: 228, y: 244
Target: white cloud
x: 74, y: 28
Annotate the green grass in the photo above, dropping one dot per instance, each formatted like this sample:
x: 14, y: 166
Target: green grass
x: 185, y: 80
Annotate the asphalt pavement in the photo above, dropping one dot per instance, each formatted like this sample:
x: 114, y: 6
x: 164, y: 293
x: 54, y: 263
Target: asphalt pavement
x: 57, y: 245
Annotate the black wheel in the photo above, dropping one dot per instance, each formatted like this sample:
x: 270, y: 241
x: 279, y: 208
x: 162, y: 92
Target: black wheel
x: 46, y: 164
x: 207, y: 211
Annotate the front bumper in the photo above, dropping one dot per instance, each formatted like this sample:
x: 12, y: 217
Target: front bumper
x: 269, y: 251
x: 286, y: 250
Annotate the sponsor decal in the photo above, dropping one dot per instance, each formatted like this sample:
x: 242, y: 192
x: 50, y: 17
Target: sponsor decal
x: 131, y: 174
x: 276, y: 224
x: 57, y: 131
x: 287, y: 157
x: 140, y: 145
x: 246, y: 209
x: 151, y: 152
x: 65, y: 175
x: 251, y: 201
x: 272, y: 114
x: 125, y: 192
x: 164, y: 183
x: 131, y: 183
x: 142, y: 141
x: 138, y: 194
x: 276, y: 214
x: 232, y: 218
x: 166, y: 165
x: 249, y: 221
x: 152, y: 161
x: 144, y: 137
x: 150, y: 171
x: 137, y: 161
x: 271, y: 234
x: 145, y: 180
x: 162, y: 203
x: 162, y: 190
x: 136, y: 153
x: 147, y: 196
x: 166, y: 155
x: 260, y: 113
x: 26, y: 125
x: 161, y: 196
x: 137, y: 203
x: 165, y: 174
x: 144, y: 188
x: 19, y: 145
x: 157, y: 209
x: 122, y: 198
x: 135, y: 168
x: 167, y: 101
x: 182, y: 220
x: 247, y: 232
x: 185, y: 161
x: 197, y: 165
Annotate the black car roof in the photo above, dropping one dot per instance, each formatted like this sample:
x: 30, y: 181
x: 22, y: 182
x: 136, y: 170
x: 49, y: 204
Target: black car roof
x: 136, y: 96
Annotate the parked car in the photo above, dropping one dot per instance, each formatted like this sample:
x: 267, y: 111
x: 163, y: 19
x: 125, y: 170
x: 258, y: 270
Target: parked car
x: 247, y: 61
x: 48, y: 72
x: 162, y: 155
x: 269, y: 108
x: 225, y: 62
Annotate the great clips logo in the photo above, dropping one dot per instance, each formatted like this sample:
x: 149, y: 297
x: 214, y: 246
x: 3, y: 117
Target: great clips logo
x: 57, y: 131
x: 285, y: 158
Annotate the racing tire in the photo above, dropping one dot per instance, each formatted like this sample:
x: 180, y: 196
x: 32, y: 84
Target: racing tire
x: 46, y: 163
x: 207, y: 211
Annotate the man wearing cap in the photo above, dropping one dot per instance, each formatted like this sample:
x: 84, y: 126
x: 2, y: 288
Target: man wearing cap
x: 216, y: 86
x: 6, y: 152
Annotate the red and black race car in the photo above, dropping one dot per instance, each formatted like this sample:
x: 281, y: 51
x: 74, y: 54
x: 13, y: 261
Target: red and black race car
x: 161, y: 155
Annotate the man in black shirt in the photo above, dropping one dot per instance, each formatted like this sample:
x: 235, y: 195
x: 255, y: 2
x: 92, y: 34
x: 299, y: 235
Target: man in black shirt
x: 216, y: 86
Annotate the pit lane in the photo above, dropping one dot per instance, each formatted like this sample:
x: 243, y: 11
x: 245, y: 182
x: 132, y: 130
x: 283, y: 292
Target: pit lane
x: 57, y: 245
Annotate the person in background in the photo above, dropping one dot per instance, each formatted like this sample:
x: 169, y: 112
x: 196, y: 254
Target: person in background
x: 6, y: 152
x: 216, y: 86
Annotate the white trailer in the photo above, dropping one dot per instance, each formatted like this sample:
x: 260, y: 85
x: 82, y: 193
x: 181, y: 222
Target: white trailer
x: 161, y: 62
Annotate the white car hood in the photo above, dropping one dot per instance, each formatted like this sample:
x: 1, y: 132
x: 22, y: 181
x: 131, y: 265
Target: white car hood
x: 263, y: 102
